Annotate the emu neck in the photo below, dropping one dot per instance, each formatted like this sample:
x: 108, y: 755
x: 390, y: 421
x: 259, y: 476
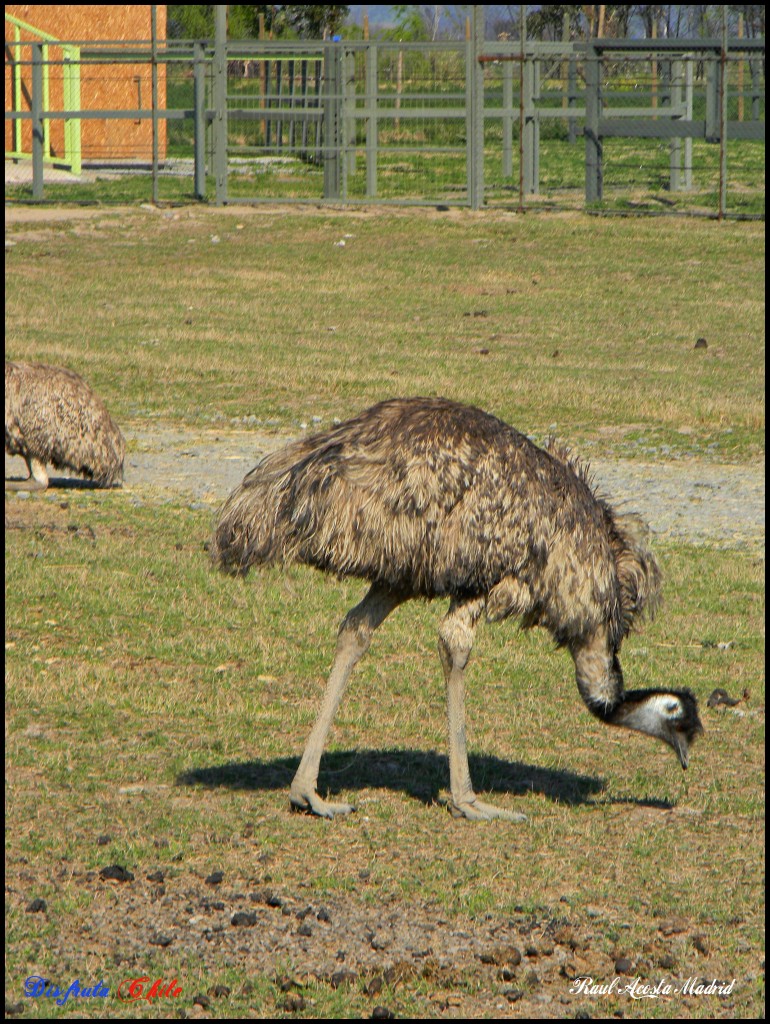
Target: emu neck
x: 599, y: 677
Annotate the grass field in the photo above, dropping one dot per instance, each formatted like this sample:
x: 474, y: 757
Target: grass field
x: 202, y: 317
x: 156, y: 711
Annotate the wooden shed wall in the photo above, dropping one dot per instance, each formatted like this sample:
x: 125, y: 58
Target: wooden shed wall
x: 102, y: 86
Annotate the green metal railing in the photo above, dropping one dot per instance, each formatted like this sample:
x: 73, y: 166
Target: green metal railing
x: 70, y: 67
x: 376, y: 121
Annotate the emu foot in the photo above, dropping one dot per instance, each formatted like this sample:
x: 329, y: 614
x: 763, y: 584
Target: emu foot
x: 476, y: 810
x: 29, y: 484
x: 307, y: 799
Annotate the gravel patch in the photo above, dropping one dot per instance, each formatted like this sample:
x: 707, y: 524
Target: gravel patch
x: 693, y: 500
x: 690, y: 500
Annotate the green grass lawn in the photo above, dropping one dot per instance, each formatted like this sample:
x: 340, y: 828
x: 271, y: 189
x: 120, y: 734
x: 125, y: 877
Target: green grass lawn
x: 156, y: 710
x: 586, y: 327
x: 164, y: 707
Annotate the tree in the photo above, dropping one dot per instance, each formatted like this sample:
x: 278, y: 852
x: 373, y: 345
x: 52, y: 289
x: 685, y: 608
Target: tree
x: 315, y: 21
x: 311, y: 21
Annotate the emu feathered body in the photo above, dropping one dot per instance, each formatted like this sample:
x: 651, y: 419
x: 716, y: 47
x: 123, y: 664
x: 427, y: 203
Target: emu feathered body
x: 429, y: 498
x: 436, y: 499
x: 53, y: 417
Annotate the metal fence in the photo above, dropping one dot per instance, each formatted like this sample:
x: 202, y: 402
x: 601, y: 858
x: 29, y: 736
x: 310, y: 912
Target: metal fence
x: 613, y: 124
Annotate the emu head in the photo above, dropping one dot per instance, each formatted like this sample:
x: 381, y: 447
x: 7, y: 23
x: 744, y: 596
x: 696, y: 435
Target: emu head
x: 669, y: 715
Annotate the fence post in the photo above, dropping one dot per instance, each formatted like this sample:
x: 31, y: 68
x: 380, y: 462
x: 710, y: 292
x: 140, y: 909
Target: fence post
x: 220, y: 104
x: 371, y: 120
x: 688, y: 78
x: 723, y: 118
x: 71, y: 86
x: 37, y: 120
x: 154, y: 74
x: 572, y: 98
x: 530, y: 127
x: 199, y: 121
x: 475, y: 111
x: 332, y: 155
x: 507, y: 118
x: 591, y: 130
x: 712, y: 97
x: 675, y: 99
x: 349, y: 113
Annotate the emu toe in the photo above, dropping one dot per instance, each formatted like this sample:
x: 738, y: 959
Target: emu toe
x: 308, y: 800
x: 477, y: 810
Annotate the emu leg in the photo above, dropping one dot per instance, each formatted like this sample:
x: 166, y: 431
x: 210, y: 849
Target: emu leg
x: 454, y: 646
x: 38, y: 478
x: 352, y: 642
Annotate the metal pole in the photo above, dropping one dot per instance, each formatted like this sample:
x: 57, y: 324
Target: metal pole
x: 154, y: 30
x: 723, y: 118
x: 37, y: 120
x: 220, y: 103
x: 477, y: 141
x: 199, y: 120
x: 371, y: 120
x: 522, y: 40
x: 591, y: 131
x: 507, y: 119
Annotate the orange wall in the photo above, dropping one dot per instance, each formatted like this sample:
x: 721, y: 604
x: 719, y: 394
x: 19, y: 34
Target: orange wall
x: 110, y: 86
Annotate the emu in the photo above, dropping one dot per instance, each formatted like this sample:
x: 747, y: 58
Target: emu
x: 53, y: 416
x: 427, y: 498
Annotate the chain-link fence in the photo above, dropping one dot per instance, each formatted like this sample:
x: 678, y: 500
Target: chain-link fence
x: 619, y: 125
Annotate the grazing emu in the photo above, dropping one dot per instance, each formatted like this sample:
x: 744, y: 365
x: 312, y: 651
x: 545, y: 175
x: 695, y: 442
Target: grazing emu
x: 53, y: 416
x: 425, y: 497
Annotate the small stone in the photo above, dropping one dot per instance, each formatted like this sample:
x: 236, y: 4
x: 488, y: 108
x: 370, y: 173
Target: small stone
x: 243, y: 919
x: 116, y: 873
x: 375, y: 986
x: 343, y: 977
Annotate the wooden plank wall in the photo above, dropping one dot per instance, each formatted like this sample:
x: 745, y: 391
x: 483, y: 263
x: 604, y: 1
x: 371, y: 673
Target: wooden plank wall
x: 112, y: 86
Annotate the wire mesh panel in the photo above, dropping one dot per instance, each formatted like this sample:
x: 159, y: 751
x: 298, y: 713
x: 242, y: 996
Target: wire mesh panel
x: 276, y: 106
x: 407, y: 123
x: 665, y: 131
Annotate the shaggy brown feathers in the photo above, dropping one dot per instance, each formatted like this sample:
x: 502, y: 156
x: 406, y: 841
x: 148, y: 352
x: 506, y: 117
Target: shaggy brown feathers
x: 53, y: 417
x: 431, y: 498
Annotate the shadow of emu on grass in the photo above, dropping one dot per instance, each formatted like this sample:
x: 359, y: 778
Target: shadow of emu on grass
x: 421, y: 775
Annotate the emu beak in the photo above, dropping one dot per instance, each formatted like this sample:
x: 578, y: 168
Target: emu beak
x: 682, y: 749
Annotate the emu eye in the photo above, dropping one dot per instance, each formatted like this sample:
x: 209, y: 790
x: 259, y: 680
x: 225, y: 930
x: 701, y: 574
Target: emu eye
x: 672, y: 707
